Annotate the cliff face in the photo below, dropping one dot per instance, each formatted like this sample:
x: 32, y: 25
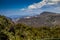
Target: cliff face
x: 44, y: 19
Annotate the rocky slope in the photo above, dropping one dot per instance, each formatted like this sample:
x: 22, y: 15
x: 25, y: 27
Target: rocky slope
x: 44, y: 19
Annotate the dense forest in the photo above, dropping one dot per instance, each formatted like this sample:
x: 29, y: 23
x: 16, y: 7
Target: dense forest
x: 17, y: 31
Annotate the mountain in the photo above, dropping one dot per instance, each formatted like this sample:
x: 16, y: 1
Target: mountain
x: 11, y: 31
x: 44, y: 19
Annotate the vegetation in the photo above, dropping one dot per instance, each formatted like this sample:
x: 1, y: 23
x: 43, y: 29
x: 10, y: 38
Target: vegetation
x: 11, y: 31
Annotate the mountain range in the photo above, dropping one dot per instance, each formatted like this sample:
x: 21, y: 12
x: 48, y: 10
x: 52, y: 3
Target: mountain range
x: 43, y: 19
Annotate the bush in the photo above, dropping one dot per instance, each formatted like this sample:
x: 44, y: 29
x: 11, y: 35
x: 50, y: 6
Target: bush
x: 11, y: 31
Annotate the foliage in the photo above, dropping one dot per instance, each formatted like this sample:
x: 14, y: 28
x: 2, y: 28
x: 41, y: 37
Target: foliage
x: 11, y: 31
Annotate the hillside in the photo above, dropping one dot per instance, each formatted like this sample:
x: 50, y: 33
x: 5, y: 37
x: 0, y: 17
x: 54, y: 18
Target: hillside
x: 18, y: 31
x: 44, y: 19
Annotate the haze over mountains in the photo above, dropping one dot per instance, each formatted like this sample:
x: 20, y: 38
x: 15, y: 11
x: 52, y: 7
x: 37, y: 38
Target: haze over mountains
x: 34, y: 8
x: 19, y: 31
x: 44, y: 19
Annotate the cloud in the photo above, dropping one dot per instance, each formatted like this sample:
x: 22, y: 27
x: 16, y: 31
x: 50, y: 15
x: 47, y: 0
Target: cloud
x: 36, y: 8
x: 41, y: 4
x: 57, y: 8
x: 22, y: 9
x: 52, y: 2
x: 37, y: 5
x: 55, y: 0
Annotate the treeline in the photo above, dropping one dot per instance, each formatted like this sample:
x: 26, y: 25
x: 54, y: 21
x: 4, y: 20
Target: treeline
x: 11, y: 31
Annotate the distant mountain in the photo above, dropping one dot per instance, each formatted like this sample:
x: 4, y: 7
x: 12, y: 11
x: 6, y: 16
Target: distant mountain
x: 44, y: 19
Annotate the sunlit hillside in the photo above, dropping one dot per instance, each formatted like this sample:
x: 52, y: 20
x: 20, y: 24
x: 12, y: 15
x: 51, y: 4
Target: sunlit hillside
x: 11, y: 31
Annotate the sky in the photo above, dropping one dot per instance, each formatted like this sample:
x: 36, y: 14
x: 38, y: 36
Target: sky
x: 28, y: 7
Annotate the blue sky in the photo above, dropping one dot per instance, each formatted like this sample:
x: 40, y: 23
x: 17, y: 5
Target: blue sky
x: 4, y: 4
x: 28, y: 7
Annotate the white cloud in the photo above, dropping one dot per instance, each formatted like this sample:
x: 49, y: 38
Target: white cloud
x: 37, y: 5
x: 57, y: 8
x: 22, y: 9
x: 52, y: 2
x: 41, y: 4
x: 55, y: 0
x: 31, y: 8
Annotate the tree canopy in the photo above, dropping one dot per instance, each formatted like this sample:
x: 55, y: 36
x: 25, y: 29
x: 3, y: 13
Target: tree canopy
x: 12, y: 31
